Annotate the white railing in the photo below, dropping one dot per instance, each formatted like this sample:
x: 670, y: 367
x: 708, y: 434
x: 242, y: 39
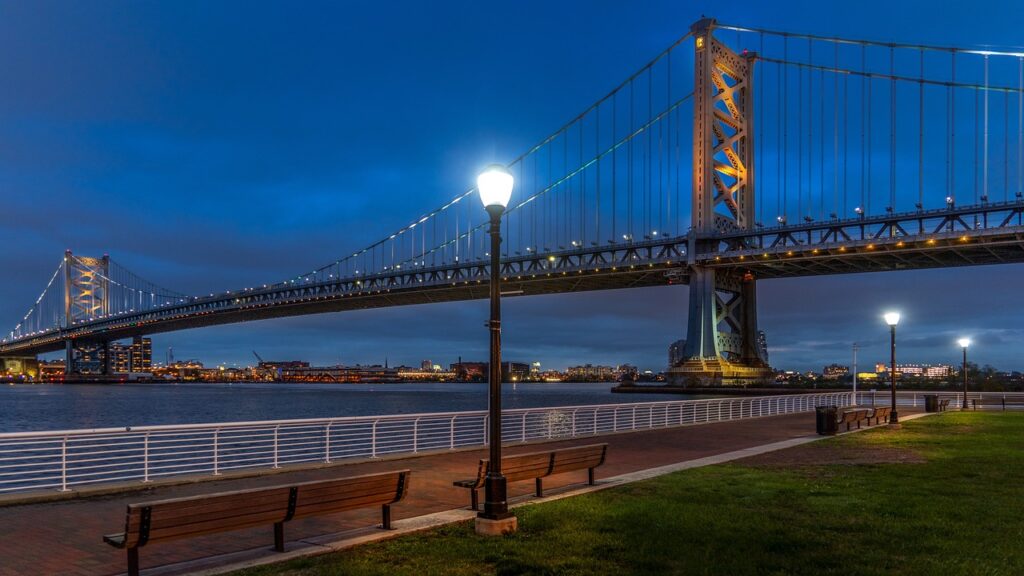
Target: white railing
x: 63, y: 459
x: 882, y: 397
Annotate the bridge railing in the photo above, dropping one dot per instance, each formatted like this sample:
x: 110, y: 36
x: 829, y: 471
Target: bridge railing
x: 62, y: 460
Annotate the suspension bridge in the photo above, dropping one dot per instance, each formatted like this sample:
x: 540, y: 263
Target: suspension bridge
x: 737, y: 154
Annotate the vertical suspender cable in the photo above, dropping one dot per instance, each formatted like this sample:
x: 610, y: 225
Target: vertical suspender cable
x: 821, y: 145
x: 952, y: 130
x: 780, y: 128
x: 867, y: 208
x: 785, y: 130
x: 800, y: 143
x: 835, y: 131
x: 1006, y: 146
x: 1020, y: 126
x: 977, y: 129
x: 863, y: 123
x: 846, y: 141
x: 615, y: 122
x: 892, y: 128
x: 810, y: 126
x: 984, y: 161
x: 920, y: 133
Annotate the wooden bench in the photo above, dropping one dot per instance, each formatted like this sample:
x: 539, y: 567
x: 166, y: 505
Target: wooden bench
x: 854, y: 417
x: 881, y: 415
x: 537, y: 466
x: 1002, y: 401
x: 179, y: 518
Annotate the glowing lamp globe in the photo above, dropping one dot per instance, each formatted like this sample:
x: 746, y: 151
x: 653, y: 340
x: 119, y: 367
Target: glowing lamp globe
x: 495, y: 186
x: 964, y: 342
x: 892, y: 318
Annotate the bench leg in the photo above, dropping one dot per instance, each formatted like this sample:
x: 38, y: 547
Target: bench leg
x: 133, y: 562
x: 386, y: 517
x: 474, y: 500
x: 540, y: 488
x: 590, y: 476
x: 279, y: 536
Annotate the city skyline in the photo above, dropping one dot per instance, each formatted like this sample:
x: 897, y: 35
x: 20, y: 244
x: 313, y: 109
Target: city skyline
x: 179, y: 163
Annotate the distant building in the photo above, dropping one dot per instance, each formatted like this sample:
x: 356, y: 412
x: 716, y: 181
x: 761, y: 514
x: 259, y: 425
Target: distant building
x: 917, y: 370
x: 426, y: 365
x: 470, y: 371
x: 591, y: 373
x: 834, y: 371
x: 141, y: 355
x: 675, y: 352
x: 515, y: 371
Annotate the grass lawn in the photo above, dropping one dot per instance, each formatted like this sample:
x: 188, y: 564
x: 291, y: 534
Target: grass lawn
x: 945, y: 495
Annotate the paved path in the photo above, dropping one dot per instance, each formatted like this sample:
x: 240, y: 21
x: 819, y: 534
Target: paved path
x: 65, y: 537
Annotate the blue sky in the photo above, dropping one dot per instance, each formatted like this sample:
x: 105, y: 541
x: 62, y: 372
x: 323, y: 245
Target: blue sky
x: 210, y: 146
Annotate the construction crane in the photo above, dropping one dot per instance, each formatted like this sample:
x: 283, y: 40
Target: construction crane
x: 258, y: 359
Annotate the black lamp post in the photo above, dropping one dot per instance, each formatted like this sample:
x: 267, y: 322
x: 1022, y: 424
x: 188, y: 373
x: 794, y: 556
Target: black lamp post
x: 892, y: 319
x: 964, y: 343
x: 495, y: 187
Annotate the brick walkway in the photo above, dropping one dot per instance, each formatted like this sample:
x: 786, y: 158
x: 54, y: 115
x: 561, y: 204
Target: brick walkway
x: 65, y: 537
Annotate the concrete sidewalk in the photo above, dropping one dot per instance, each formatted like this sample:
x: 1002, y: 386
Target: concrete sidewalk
x: 65, y: 537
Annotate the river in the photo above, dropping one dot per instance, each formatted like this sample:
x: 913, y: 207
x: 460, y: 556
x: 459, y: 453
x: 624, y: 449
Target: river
x: 34, y: 407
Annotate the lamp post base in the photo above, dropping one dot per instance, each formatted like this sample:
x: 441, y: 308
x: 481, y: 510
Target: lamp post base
x: 500, y: 527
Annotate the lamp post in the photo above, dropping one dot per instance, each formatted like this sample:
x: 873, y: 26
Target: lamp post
x: 892, y: 319
x: 964, y: 343
x: 495, y: 187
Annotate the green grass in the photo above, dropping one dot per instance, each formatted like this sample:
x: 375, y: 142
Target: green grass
x: 960, y: 511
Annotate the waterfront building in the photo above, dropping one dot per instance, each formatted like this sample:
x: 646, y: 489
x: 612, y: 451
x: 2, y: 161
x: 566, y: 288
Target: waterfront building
x: 834, y: 371
x: 916, y: 370
x: 591, y: 373
x: 141, y: 355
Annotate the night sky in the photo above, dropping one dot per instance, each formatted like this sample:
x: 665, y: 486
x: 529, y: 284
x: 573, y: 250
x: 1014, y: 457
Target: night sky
x: 212, y: 146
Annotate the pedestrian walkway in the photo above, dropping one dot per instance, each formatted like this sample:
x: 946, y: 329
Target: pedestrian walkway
x: 65, y: 537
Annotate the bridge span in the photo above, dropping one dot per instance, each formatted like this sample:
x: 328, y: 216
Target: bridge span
x: 735, y: 155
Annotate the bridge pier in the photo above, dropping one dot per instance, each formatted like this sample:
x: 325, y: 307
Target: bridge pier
x: 723, y: 344
x: 82, y: 357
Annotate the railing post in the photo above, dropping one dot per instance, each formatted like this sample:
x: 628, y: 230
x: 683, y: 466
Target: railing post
x: 633, y: 425
x: 524, y: 426
x: 550, y: 419
x: 64, y: 464
x: 595, y: 421
x: 373, y: 439
x: 486, y: 420
x: 615, y: 420
x: 276, y: 429
x: 416, y: 436
x: 574, y: 422
x: 327, y: 444
x: 216, y: 452
x: 451, y: 434
x: 145, y: 458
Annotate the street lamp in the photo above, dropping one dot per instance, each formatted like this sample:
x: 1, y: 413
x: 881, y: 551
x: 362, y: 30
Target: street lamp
x: 495, y: 187
x: 964, y: 343
x: 892, y: 319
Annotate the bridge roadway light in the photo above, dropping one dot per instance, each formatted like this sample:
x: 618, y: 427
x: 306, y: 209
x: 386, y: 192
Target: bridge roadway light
x: 495, y: 187
x: 892, y: 319
x: 964, y: 343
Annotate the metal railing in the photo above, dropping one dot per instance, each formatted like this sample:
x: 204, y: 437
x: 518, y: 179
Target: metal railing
x: 881, y: 397
x: 63, y: 459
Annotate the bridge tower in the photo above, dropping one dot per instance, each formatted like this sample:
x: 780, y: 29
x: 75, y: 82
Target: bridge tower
x: 86, y: 296
x: 723, y: 344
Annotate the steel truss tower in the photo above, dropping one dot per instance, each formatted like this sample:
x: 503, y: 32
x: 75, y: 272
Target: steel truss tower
x: 86, y: 296
x: 722, y: 345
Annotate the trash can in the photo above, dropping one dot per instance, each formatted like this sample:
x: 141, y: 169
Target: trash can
x: 931, y: 402
x: 825, y: 420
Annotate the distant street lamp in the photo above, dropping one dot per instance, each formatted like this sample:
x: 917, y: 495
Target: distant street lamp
x: 892, y: 319
x: 495, y: 187
x: 964, y: 343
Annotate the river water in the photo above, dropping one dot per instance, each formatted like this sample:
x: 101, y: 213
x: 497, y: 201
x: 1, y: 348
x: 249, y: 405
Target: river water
x: 33, y: 407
